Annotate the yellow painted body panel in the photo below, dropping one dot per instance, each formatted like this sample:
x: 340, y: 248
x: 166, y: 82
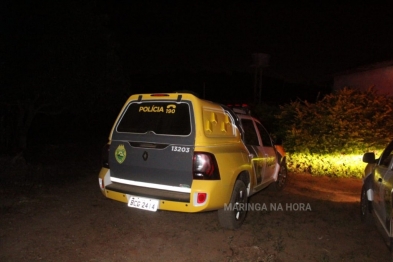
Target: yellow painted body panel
x: 104, y: 176
x: 116, y: 196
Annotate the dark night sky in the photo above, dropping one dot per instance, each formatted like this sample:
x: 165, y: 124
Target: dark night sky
x: 306, y: 42
x: 61, y: 51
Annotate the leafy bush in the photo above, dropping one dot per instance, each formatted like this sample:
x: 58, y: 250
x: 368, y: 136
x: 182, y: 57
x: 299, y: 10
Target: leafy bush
x: 325, y: 137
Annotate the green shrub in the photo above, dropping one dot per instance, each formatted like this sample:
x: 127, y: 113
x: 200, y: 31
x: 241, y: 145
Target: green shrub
x: 330, y: 136
x: 326, y: 164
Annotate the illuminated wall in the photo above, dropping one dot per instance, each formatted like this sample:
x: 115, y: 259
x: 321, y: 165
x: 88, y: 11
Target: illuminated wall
x: 378, y: 75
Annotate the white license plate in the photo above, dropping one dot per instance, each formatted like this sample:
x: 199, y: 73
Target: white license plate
x: 143, y: 203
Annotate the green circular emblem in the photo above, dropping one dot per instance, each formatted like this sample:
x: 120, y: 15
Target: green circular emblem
x: 120, y: 154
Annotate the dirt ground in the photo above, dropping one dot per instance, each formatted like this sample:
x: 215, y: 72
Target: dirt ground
x: 53, y: 210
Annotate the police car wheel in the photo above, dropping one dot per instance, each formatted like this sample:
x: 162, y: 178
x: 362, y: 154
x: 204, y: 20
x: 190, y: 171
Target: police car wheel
x: 365, y: 207
x: 233, y: 215
x: 281, y: 177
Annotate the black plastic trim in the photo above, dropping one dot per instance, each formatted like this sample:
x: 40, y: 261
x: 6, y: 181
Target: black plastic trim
x: 149, y: 192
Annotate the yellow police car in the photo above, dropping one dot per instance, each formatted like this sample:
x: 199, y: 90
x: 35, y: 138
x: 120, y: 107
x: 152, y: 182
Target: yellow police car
x: 177, y: 152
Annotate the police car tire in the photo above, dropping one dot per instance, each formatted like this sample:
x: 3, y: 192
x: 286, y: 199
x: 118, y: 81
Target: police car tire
x: 233, y: 219
x: 282, y: 178
x: 365, y: 207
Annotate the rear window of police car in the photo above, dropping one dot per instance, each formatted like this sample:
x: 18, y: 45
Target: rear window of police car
x: 164, y: 118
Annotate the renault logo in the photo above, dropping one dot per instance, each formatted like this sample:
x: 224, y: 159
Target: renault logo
x: 145, y: 155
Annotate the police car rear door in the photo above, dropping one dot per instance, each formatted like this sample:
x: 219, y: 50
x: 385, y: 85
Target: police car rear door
x: 153, y: 145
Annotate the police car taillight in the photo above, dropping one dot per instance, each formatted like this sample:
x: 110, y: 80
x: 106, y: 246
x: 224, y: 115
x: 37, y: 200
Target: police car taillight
x: 205, y: 166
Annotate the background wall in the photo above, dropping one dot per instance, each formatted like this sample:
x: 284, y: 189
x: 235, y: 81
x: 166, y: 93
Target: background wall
x: 378, y: 75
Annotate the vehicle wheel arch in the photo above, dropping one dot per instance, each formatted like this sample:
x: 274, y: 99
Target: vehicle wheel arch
x: 367, y: 183
x: 366, y: 208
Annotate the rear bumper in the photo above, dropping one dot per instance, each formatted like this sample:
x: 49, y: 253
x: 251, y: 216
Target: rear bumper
x: 217, y: 194
x: 148, y: 192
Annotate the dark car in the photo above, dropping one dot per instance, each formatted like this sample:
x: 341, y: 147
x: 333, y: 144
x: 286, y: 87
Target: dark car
x: 377, y: 196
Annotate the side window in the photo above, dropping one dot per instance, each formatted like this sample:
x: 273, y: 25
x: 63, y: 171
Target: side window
x: 250, y: 134
x: 266, y: 140
x: 386, y: 157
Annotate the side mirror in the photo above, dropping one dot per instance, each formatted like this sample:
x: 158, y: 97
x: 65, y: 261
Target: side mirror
x: 369, y: 158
